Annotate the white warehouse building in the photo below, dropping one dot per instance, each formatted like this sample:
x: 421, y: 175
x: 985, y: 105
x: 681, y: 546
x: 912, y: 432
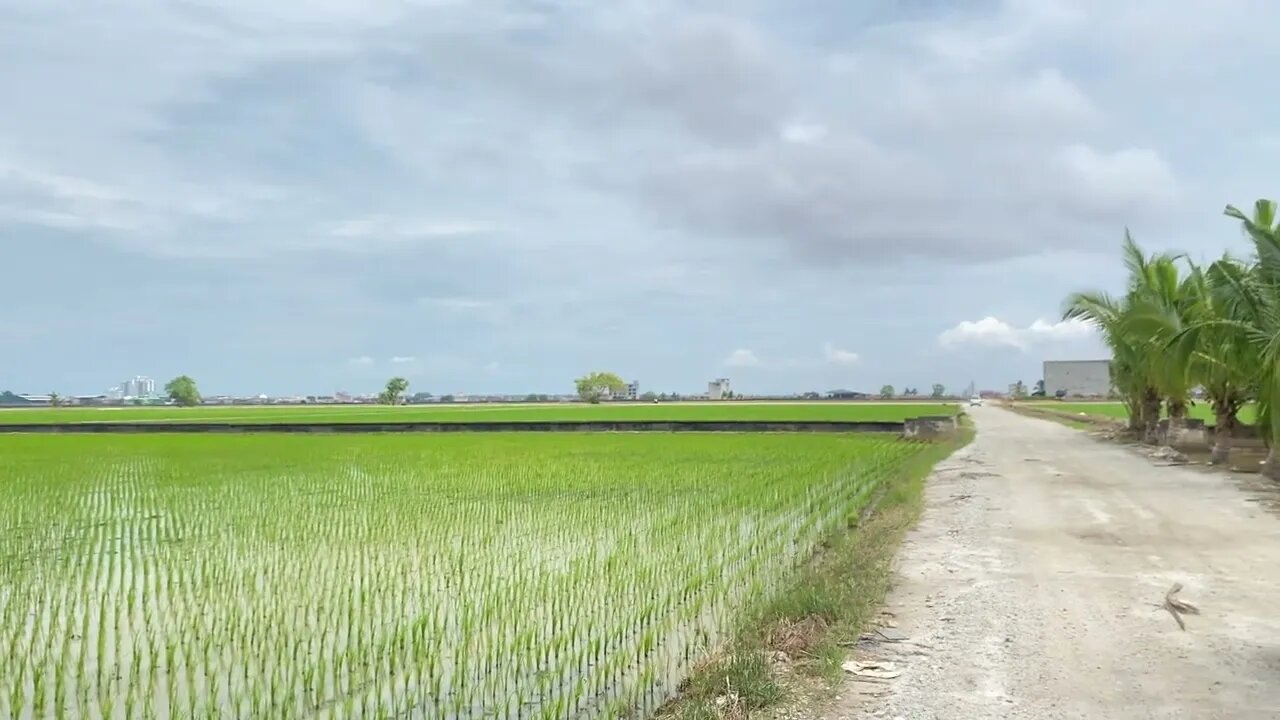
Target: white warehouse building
x: 1077, y: 378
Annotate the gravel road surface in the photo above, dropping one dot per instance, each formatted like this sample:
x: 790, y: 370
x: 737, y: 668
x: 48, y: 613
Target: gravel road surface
x: 1033, y: 588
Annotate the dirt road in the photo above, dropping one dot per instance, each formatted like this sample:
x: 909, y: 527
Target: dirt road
x: 1032, y: 588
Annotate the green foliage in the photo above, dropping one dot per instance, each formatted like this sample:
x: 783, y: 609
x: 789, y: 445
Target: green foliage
x: 182, y: 391
x: 394, y: 391
x: 938, y: 390
x: 8, y: 397
x: 1246, y: 415
x: 464, y: 571
x: 886, y: 392
x: 1178, y: 326
x: 595, y: 386
x: 840, y: 587
x: 745, y: 676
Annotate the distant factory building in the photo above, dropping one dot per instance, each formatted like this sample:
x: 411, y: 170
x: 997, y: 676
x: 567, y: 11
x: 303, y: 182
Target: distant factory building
x: 1077, y: 378
x: 629, y: 391
x: 718, y: 389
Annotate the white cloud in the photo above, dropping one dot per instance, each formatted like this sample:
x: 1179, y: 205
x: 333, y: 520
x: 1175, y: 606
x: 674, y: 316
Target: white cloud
x: 475, y: 309
x: 1061, y: 331
x: 1107, y: 183
x: 836, y: 356
x: 456, y: 304
x: 31, y: 195
x: 361, y: 361
x: 804, y: 133
x: 379, y: 226
x: 743, y: 358
x: 994, y: 332
x: 403, y: 359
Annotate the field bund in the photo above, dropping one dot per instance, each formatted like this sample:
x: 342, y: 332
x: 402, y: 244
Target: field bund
x: 675, y: 417
x: 488, y: 413
x: 732, y: 426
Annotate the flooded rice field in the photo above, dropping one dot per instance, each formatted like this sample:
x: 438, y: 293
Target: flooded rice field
x: 386, y: 576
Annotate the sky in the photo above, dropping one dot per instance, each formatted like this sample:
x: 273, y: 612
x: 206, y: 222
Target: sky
x: 497, y: 196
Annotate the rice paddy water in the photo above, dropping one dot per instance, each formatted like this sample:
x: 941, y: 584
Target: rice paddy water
x: 470, y: 576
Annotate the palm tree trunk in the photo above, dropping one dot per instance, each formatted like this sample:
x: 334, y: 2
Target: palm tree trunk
x: 1270, y: 433
x: 1271, y: 467
x: 1133, y: 404
x: 1177, y: 422
x: 1151, y: 416
x: 1225, y: 417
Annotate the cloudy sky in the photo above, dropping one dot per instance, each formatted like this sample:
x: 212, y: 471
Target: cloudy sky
x: 497, y: 195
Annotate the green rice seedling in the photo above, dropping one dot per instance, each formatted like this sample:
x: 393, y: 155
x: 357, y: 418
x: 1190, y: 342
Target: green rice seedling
x: 458, y: 576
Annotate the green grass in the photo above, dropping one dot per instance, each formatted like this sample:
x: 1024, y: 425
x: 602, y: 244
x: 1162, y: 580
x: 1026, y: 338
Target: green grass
x: 866, y: 411
x: 1201, y: 410
x: 825, y: 607
x: 516, y: 575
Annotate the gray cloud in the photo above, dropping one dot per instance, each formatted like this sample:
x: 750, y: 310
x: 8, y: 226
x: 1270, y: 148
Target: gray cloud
x: 913, y: 144
x: 639, y: 185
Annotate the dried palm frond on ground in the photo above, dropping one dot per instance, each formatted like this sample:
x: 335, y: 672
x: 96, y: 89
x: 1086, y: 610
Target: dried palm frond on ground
x: 1177, y: 608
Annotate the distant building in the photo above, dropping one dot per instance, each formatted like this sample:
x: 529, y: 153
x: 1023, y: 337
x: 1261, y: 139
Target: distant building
x: 718, y: 389
x: 632, y: 391
x: 1077, y: 378
x: 137, y: 387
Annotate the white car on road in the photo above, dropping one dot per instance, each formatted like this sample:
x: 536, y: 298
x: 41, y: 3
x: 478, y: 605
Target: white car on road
x: 975, y: 400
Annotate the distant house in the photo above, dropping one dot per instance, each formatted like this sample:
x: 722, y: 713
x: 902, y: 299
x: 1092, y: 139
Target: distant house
x: 631, y: 391
x: 718, y: 389
x: 847, y: 395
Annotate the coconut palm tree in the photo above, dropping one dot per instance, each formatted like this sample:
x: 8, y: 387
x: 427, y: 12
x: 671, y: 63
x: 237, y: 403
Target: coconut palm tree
x: 1141, y: 375
x: 1109, y: 315
x: 1257, y: 308
x: 1160, y: 301
x: 1206, y: 345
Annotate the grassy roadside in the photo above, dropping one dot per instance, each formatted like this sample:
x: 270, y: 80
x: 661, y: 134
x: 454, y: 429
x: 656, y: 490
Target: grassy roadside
x: 792, y: 644
x: 1115, y: 411
x: 1065, y: 417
